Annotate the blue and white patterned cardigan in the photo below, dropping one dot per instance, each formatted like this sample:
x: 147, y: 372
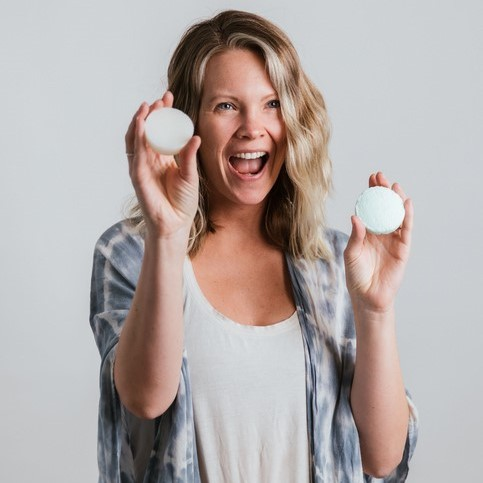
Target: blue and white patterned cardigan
x: 326, y: 319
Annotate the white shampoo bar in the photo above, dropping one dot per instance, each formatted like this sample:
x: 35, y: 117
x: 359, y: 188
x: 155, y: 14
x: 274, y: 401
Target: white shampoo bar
x: 168, y: 130
x: 380, y: 209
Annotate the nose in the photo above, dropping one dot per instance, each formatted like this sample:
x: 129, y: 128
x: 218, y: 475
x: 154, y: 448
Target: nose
x: 251, y: 126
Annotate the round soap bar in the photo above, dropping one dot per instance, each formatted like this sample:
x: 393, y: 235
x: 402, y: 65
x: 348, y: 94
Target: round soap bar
x: 168, y: 130
x: 380, y: 209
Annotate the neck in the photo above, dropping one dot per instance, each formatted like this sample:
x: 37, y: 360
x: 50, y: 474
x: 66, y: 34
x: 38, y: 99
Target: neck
x: 238, y: 231
x: 246, y: 221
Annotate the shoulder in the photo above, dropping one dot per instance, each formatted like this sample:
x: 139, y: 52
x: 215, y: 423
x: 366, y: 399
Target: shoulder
x: 122, y: 245
x: 119, y: 236
x: 122, y: 232
x: 336, y: 242
x: 324, y: 271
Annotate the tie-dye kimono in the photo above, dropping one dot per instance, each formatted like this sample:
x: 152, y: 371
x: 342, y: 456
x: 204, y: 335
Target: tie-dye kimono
x: 326, y: 319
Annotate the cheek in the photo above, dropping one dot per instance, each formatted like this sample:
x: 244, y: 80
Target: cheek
x: 280, y: 138
x: 279, y: 132
x: 209, y: 158
x: 212, y: 136
x: 209, y: 149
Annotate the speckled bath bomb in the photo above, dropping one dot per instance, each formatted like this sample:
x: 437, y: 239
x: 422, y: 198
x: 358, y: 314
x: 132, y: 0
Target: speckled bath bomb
x: 380, y: 209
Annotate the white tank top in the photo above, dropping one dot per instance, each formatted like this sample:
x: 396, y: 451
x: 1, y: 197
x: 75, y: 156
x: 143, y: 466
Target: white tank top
x: 248, y: 388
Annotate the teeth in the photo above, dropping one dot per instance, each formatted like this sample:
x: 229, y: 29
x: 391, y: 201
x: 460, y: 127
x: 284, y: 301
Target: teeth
x: 258, y: 154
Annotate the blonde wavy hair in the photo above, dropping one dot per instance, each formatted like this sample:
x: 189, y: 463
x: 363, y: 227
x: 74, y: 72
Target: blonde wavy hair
x: 294, y: 217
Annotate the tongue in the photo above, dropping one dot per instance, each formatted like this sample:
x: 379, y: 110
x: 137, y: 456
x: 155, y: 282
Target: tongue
x: 247, y: 166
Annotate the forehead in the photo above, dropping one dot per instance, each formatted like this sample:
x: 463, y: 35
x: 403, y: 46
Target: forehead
x: 236, y: 68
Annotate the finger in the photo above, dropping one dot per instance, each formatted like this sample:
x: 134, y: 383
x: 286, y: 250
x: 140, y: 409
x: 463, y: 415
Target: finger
x: 165, y: 101
x: 129, y: 137
x: 372, y: 180
x: 168, y: 99
x: 139, y: 144
x: 188, y: 161
x: 130, y: 160
x: 158, y: 104
x: 396, y: 187
x: 407, y: 225
x: 381, y: 180
x: 356, y: 240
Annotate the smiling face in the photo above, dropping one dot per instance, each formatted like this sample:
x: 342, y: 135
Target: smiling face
x: 241, y: 128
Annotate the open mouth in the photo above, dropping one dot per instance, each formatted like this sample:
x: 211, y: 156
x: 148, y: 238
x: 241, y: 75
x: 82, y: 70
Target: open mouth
x: 249, y: 164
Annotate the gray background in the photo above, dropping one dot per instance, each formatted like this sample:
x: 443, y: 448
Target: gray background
x: 403, y: 83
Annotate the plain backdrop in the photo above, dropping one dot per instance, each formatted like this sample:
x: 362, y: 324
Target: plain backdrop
x: 403, y: 84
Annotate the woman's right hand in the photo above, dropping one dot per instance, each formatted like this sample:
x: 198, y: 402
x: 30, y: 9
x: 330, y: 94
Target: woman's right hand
x: 167, y: 193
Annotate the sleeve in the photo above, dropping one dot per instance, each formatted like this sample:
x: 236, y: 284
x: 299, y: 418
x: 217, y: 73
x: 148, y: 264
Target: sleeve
x: 399, y: 475
x: 117, y: 259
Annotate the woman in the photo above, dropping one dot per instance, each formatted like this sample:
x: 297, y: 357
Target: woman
x: 225, y: 312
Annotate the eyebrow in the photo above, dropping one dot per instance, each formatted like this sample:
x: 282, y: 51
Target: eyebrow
x: 220, y: 96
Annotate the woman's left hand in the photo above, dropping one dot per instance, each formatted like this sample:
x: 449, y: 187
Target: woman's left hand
x: 375, y: 264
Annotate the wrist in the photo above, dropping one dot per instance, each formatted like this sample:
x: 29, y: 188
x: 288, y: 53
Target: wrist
x: 374, y: 305
x: 373, y: 320
x: 173, y: 246
x: 373, y: 311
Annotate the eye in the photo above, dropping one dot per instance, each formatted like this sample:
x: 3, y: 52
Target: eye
x: 224, y: 106
x: 274, y: 104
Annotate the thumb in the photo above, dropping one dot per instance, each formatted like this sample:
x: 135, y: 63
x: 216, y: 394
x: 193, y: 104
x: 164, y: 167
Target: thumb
x: 187, y: 160
x: 356, y: 240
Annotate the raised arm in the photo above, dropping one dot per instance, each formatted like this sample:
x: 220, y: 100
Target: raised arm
x: 149, y: 354
x: 374, y: 269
